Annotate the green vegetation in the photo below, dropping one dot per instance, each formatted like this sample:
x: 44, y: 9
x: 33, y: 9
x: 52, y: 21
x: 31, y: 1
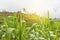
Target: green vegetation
x: 27, y: 28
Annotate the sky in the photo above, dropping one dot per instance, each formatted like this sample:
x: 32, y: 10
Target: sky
x: 39, y: 6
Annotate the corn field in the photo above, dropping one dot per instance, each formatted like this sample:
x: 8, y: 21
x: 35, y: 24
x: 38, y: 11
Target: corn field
x: 12, y: 29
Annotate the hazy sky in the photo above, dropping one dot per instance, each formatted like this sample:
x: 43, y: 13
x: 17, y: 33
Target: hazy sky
x: 40, y: 6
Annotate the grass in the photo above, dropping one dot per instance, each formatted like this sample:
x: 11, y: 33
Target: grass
x: 11, y: 29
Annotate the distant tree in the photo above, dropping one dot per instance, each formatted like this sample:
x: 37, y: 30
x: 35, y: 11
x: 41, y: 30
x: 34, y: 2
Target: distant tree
x: 24, y: 9
x: 4, y: 10
x: 55, y: 18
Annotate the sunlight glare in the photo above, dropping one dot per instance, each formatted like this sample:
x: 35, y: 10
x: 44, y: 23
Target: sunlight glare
x: 39, y: 6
